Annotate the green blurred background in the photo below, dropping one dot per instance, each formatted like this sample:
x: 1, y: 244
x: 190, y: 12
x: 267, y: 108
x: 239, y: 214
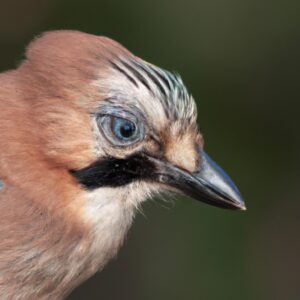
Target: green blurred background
x: 240, y: 60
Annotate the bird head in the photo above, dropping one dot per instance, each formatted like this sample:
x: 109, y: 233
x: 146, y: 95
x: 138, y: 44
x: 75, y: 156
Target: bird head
x: 118, y: 123
x: 88, y: 132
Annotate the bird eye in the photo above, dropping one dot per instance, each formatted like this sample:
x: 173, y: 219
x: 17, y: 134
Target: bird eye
x: 121, y: 131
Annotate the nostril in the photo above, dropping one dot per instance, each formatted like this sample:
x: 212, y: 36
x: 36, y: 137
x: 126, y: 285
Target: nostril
x: 163, y: 178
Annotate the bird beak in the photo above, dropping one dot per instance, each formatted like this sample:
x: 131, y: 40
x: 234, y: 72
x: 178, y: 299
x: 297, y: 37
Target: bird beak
x: 209, y: 183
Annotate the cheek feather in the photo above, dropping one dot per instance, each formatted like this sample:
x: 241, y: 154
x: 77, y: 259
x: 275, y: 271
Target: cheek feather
x: 109, y: 213
x: 66, y: 134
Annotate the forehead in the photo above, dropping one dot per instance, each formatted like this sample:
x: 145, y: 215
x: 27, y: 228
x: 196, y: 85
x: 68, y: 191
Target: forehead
x: 74, y: 60
x: 159, y: 94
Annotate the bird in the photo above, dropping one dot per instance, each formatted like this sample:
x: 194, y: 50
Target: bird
x: 88, y: 132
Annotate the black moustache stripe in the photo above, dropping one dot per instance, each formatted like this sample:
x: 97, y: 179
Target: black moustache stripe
x: 113, y: 172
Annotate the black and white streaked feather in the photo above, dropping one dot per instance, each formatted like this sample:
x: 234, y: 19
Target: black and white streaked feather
x: 165, y: 86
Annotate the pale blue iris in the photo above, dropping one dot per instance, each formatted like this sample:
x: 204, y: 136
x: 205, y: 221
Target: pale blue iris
x: 123, y: 129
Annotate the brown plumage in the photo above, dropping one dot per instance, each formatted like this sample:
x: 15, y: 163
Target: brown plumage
x: 56, y: 227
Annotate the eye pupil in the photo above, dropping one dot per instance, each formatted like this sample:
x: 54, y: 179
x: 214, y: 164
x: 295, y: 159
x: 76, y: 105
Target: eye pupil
x: 127, y: 129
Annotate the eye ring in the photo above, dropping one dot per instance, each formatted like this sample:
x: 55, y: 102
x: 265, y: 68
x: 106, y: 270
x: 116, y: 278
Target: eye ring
x: 121, y: 131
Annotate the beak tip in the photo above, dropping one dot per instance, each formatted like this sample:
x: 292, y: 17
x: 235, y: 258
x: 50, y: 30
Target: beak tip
x: 238, y: 201
x: 242, y: 207
x: 218, y: 180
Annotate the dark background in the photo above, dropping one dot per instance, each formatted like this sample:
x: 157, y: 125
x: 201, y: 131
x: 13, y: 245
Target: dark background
x: 240, y: 60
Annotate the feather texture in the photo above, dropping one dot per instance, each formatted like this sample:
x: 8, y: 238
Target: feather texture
x: 55, y: 234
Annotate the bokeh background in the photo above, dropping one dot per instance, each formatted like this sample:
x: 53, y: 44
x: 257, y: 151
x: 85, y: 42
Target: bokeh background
x: 240, y: 60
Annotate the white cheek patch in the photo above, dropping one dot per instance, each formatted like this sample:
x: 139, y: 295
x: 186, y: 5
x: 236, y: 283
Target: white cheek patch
x: 110, y: 212
x: 119, y: 199
x: 116, y: 206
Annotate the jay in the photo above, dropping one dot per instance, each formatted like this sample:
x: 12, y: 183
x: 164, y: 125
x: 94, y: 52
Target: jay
x: 88, y: 131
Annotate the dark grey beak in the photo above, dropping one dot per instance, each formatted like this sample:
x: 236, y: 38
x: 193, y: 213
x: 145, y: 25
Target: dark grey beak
x: 209, y: 183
